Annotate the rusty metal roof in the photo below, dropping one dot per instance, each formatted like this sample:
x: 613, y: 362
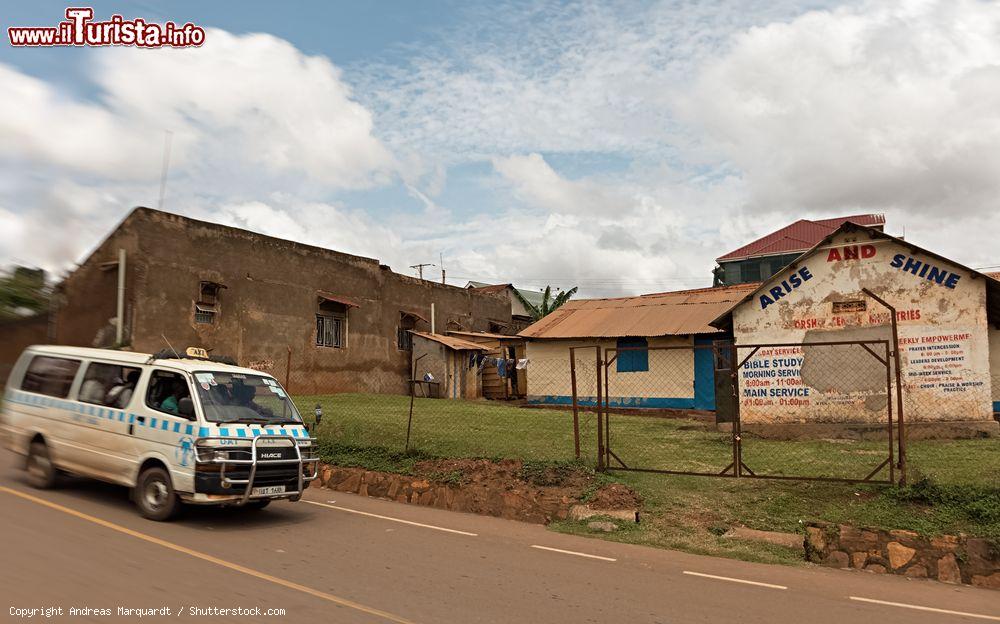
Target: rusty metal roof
x: 663, y: 314
x: 491, y: 336
x: 325, y: 296
x: 451, y: 342
x: 799, y: 236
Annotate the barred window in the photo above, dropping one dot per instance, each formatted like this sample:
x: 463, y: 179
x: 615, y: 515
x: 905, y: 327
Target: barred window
x: 206, y: 307
x: 330, y: 331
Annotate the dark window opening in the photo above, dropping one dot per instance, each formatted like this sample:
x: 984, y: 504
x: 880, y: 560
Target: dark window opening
x: 633, y: 356
x: 50, y: 376
x: 497, y: 328
x: 166, y: 391
x: 111, y: 385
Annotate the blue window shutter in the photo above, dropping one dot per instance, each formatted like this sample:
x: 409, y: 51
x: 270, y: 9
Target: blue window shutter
x: 632, y: 361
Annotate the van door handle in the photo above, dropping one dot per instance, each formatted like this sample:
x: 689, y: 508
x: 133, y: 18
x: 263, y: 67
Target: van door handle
x: 131, y: 426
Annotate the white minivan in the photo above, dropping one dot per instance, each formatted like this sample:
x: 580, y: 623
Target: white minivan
x: 175, y: 428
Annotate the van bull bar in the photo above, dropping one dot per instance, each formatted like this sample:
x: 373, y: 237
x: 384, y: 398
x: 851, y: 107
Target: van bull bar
x: 223, y: 465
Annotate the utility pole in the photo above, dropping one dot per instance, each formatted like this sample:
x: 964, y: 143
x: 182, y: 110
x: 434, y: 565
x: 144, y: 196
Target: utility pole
x: 167, y: 139
x: 441, y: 260
x: 420, y: 268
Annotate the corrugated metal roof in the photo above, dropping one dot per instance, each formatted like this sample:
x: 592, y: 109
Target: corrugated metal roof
x: 469, y: 334
x: 799, y: 236
x: 663, y: 314
x: 451, y: 342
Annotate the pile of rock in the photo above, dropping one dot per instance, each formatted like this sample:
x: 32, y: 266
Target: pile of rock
x: 948, y: 558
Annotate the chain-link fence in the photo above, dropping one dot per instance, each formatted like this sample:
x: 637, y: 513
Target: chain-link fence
x: 534, y: 422
x: 815, y: 411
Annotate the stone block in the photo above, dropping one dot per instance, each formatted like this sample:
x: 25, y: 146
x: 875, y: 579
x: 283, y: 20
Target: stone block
x: 948, y: 543
x: 859, y: 559
x: 947, y: 569
x: 991, y: 581
x: 899, y: 555
x: 607, y: 527
x: 837, y: 559
x: 875, y: 568
x: 815, y: 539
x: 421, y: 485
x: 393, y: 489
x: 350, y: 484
x: 916, y: 571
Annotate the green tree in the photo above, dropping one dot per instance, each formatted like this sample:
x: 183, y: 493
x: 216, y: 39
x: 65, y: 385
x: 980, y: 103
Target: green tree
x: 23, y: 292
x: 550, y: 304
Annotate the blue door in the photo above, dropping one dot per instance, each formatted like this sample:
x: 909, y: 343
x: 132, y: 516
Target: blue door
x: 704, y: 375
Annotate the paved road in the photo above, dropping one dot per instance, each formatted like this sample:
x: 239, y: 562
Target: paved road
x: 342, y: 558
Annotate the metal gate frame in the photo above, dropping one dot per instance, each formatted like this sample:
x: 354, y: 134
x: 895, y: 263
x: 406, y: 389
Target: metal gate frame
x: 737, y: 468
x: 745, y: 471
x: 605, y: 454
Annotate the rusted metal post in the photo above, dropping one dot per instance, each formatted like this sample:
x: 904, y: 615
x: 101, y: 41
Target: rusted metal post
x: 888, y: 403
x: 600, y: 423
x: 576, y: 405
x: 897, y: 359
x: 737, y: 454
x: 288, y: 372
x: 607, y: 417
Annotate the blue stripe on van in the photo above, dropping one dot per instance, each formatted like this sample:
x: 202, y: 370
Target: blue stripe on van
x: 177, y: 427
x: 188, y: 429
x: 224, y: 431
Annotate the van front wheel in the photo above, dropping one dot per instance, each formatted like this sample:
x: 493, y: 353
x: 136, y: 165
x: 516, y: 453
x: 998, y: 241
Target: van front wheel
x: 154, y: 495
x: 41, y: 471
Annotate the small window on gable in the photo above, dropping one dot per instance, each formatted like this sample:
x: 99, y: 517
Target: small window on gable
x: 633, y: 356
x: 206, y: 308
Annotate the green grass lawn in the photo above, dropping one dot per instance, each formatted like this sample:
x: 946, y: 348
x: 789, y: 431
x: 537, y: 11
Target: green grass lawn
x: 955, y: 485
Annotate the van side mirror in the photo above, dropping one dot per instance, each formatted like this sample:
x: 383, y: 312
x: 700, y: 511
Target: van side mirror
x: 185, y: 408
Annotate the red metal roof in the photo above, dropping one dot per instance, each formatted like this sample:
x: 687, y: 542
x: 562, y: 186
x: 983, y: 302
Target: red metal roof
x: 663, y: 314
x: 799, y: 236
x: 325, y: 296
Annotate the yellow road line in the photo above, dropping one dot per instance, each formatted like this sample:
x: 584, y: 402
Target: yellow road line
x: 206, y: 557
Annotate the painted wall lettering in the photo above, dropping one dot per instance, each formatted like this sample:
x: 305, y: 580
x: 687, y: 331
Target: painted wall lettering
x: 787, y: 286
x: 851, y: 252
x: 926, y: 270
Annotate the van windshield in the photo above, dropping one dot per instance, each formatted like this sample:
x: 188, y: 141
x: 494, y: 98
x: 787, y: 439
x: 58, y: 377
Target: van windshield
x: 237, y: 398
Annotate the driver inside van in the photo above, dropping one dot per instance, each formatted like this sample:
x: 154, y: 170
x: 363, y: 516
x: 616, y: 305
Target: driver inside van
x: 170, y: 404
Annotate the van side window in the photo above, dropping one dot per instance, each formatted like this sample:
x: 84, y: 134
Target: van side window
x: 52, y: 376
x: 166, y: 389
x: 108, y: 384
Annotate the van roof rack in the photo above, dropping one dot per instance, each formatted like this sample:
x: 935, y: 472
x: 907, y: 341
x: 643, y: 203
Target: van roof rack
x: 169, y: 354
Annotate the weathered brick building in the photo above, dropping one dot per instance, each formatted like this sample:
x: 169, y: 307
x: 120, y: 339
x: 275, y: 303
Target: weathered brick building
x: 341, y: 321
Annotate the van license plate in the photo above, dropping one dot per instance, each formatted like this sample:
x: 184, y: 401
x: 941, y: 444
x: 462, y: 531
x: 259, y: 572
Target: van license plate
x: 267, y: 491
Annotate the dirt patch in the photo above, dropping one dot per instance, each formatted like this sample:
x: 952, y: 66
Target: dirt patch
x: 530, y: 492
x: 616, y: 496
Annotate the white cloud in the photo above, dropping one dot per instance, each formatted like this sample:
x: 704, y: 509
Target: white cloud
x: 535, y: 182
x: 890, y: 104
x: 239, y: 106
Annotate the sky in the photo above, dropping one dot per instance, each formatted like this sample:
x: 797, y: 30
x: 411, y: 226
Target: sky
x: 615, y: 146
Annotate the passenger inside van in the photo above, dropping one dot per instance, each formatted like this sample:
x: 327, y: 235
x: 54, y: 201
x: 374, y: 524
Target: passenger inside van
x: 121, y: 394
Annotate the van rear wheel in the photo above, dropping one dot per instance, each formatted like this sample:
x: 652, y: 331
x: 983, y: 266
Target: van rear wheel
x: 41, y: 471
x: 154, y: 495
